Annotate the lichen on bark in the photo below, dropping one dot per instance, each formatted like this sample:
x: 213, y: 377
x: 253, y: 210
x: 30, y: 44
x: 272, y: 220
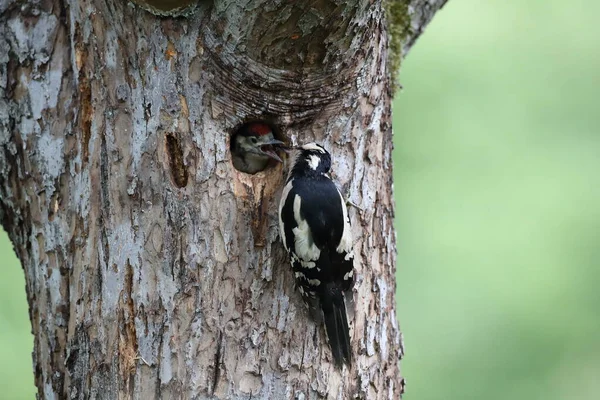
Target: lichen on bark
x: 398, y: 21
x: 406, y: 20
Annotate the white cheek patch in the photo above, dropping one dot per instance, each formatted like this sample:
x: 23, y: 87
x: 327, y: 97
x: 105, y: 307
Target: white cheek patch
x: 304, y: 247
x: 314, y: 161
x: 348, y: 275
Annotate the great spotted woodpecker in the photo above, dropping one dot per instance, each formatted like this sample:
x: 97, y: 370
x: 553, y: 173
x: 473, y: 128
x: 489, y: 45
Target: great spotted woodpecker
x: 253, y: 146
x: 315, y: 230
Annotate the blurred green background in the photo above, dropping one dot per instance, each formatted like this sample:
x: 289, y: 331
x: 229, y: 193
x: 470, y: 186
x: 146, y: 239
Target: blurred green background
x: 497, y: 137
x: 497, y: 158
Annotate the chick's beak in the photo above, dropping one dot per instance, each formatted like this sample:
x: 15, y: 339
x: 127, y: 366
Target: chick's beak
x: 269, y: 148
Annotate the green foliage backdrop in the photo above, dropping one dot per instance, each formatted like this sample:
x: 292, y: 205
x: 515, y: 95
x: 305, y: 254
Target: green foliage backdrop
x: 16, y: 341
x: 497, y: 139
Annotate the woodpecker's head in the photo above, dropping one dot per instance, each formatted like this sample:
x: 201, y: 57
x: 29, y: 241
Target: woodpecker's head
x: 310, y: 159
x: 253, y: 146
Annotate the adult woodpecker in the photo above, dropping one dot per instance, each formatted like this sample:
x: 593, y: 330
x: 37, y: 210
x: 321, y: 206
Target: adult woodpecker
x: 253, y: 146
x: 315, y: 230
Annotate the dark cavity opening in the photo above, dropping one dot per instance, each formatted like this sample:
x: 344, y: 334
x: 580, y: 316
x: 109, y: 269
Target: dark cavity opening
x: 175, y: 153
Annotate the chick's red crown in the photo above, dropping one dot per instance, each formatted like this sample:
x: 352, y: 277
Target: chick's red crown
x: 259, y: 129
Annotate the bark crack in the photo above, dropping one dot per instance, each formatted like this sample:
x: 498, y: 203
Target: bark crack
x: 105, y: 200
x: 128, y: 346
x: 217, y: 363
x: 175, y: 155
x: 158, y: 388
x: 85, y: 114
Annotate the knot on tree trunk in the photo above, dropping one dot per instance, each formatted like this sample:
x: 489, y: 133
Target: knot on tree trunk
x: 289, y: 61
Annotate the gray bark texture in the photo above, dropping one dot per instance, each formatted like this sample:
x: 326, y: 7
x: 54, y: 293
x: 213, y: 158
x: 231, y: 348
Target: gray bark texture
x: 153, y: 267
x: 420, y: 13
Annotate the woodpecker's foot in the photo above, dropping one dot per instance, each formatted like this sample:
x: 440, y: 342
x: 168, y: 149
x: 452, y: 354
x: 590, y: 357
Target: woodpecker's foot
x: 139, y: 357
x: 350, y: 203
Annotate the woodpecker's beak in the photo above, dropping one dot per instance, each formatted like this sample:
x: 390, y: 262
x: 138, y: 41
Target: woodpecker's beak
x: 269, y: 149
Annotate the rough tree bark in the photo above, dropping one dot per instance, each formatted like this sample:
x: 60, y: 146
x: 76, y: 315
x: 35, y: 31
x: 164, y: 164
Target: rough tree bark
x: 153, y: 267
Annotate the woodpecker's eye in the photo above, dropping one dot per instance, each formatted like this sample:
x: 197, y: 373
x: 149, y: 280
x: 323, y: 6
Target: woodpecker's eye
x: 253, y: 139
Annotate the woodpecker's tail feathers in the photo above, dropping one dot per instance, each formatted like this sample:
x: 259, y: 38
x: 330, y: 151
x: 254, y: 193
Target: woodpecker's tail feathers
x: 336, y: 325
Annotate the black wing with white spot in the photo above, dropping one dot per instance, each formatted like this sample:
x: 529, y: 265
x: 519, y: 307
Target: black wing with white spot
x: 319, y: 245
x: 317, y: 238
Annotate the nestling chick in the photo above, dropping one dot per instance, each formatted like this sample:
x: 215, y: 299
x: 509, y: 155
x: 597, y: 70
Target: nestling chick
x: 253, y: 146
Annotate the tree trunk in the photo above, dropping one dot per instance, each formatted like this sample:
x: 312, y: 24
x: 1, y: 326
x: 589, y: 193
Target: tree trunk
x: 153, y: 267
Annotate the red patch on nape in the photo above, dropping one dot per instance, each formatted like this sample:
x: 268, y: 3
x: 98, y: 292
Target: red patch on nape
x: 259, y: 129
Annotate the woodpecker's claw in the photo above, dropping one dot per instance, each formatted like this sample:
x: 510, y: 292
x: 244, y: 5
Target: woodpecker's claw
x: 350, y: 203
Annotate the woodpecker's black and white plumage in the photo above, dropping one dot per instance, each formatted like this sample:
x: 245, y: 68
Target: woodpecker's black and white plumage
x: 253, y: 146
x: 315, y: 230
